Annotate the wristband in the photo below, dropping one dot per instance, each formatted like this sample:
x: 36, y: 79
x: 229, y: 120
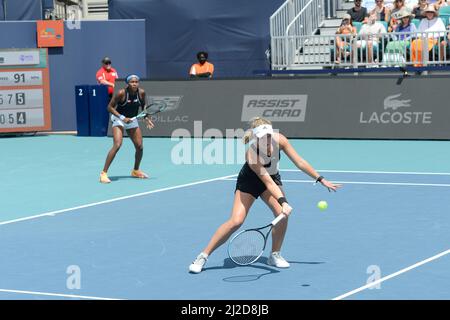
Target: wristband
x: 282, y: 200
x: 122, y: 117
x: 319, y: 179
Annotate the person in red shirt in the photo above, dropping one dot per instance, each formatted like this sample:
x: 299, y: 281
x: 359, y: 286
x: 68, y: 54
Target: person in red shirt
x: 107, y: 75
x: 202, y: 69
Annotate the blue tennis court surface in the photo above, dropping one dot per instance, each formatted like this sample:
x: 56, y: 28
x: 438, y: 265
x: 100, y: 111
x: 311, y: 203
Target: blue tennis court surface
x: 134, y: 239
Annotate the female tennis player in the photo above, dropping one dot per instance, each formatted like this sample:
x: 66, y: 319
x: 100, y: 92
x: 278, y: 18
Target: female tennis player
x: 260, y: 177
x: 123, y: 107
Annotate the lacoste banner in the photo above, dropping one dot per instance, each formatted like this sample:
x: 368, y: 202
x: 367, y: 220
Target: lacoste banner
x: 364, y: 107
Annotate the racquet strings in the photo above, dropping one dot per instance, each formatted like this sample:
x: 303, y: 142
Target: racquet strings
x: 155, y: 108
x: 246, y: 247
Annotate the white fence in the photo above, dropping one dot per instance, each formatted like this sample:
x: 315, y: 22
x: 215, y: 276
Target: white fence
x: 297, y: 18
x: 391, y: 49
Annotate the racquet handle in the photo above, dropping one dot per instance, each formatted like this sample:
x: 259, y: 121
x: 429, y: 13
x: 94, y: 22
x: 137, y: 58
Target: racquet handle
x: 137, y: 117
x: 278, y: 219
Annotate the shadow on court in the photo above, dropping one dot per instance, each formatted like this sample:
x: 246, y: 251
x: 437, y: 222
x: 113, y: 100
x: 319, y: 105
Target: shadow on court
x: 117, y: 178
x: 305, y: 262
x: 229, y: 264
x: 248, y: 277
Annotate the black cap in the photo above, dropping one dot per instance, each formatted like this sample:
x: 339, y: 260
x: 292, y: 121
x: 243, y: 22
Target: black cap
x: 202, y: 54
x: 106, y: 59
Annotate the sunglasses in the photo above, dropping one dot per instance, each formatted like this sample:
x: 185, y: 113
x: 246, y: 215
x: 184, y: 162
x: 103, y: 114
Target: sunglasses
x: 107, y: 63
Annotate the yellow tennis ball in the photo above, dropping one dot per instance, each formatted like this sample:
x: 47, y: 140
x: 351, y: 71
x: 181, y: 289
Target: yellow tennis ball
x: 322, y: 205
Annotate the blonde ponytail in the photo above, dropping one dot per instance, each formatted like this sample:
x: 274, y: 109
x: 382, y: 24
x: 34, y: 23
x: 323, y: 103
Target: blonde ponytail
x: 247, y: 136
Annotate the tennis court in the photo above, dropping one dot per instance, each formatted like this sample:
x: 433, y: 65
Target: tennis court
x: 134, y: 239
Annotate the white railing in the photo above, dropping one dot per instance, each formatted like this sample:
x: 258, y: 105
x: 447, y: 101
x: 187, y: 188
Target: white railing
x: 305, y: 23
x: 279, y: 22
x: 297, y: 17
x: 281, y: 18
x: 391, y: 49
x: 331, y: 7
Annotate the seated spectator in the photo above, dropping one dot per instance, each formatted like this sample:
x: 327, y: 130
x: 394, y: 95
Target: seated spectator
x: 419, y: 9
x: 404, y: 25
x: 358, y: 13
x: 370, y: 36
x: 202, y: 69
x: 433, y: 24
x: 393, y: 18
x: 381, y: 11
x: 396, y: 50
x: 343, y: 42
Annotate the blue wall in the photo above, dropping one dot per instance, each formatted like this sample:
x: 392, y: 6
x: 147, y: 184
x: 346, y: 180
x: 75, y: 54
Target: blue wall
x: 22, y: 9
x: 235, y: 33
x: 80, y: 58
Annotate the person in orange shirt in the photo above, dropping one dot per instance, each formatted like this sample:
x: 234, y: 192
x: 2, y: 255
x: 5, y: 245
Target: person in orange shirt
x: 202, y: 69
x: 343, y: 43
x: 107, y: 75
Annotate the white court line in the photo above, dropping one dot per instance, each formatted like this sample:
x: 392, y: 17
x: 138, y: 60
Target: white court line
x: 52, y: 213
x: 345, y: 295
x: 375, y: 172
x: 368, y: 183
x: 56, y: 295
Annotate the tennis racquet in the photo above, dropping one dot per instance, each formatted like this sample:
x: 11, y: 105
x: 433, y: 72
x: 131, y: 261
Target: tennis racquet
x: 248, y: 245
x: 151, y: 109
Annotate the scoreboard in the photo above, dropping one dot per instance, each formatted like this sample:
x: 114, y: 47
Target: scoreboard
x: 24, y: 91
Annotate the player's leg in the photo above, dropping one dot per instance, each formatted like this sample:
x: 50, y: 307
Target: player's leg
x: 117, y: 143
x: 135, y: 135
x: 278, y: 232
x: 241, y: 206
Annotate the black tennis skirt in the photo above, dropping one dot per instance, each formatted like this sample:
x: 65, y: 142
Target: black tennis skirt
x: 249, y: 182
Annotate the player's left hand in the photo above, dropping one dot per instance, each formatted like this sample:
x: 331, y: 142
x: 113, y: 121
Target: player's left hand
x: 149, y: 123
x: 330, y: 186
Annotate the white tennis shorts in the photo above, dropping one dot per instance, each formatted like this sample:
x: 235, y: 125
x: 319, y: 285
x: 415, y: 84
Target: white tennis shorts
x: 116, y: 122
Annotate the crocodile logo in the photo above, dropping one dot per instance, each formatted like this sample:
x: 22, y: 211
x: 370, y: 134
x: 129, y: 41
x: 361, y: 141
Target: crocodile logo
x: 391, y: 102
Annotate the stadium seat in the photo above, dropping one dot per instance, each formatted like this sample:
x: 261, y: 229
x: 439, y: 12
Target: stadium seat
x: 444, y: 10
x: 445, y: 18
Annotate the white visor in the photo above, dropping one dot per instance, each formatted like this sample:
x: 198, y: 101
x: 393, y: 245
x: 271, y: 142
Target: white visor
x: 262, y: 130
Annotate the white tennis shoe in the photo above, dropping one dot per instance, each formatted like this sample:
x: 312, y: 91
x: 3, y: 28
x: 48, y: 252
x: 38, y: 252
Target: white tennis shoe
x: 199, y: 262
x: 276, y: 260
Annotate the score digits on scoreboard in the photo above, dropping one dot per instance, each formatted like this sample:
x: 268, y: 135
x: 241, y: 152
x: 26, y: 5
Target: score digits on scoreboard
x: 24, y: 91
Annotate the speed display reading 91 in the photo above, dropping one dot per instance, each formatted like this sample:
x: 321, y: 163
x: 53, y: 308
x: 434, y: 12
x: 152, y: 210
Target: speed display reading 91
x: 22, y: 78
